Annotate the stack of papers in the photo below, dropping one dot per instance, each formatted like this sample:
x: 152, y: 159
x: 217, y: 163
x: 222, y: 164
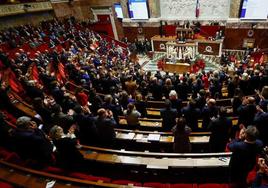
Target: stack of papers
x: 154, y: 137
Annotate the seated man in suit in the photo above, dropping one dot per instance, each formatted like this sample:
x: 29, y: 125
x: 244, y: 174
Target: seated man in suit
x: 105, y: 124
x: 168, y: 115
x: 30, y: 142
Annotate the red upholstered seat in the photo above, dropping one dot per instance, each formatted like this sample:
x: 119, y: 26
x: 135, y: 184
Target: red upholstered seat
x: 78, y: 175
x: 181, y: 185
x: 5, y: 185
x: 213, y: 185
x: 13, y: 158
x: 4, y: 153
x: 97, y: 178
x: 126, y: 182
x: 251, y: 176
x: 156, y: 185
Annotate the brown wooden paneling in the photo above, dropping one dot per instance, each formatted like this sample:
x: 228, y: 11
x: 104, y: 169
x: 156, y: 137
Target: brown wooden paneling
x: 132, y: 32
x: 204, y: 48
x: 234, y: 38
x: 158, y: 44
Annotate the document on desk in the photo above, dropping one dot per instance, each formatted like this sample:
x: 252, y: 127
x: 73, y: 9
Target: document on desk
x: 141, y: 138
x: 211, y: 162
x: 125, y: 136
x: 154, y: 137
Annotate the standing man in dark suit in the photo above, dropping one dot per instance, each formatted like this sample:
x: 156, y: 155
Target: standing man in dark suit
x: 220, y: 130
x: 191, y: 114
x: 168, y: 115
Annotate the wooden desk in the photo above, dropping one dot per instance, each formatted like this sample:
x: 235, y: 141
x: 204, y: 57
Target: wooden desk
x: 177, y: 68
x: 154, y: 112
x: 155, y: 141
x: 181, y: 161
x: 144, y: 122
x: 22, y: 106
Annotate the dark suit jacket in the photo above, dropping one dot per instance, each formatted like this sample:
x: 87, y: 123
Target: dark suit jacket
x: 67, y: 155
x: 207, y: 114
x: 169, y: 118
x: 105, y: 130
x: 243, y: 158
x: 87, y: 129
x: 220, y: 130
x: 191, y: 115
x: 246, y: 114
x: 32, y: 144
x: 261, y: 121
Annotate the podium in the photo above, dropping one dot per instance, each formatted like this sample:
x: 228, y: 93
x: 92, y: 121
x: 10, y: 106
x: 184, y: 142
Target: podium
x: 178, y: 68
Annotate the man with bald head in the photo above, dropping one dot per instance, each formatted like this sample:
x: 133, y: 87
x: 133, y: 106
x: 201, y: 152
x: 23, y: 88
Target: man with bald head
x: 209, y: 112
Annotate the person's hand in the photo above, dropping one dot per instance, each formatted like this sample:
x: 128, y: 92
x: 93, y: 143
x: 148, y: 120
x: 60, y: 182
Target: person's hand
x: 72, y: 129
x: 86, y: 109
x: 4, y: 85
x: 259, y: 109
x: 109, y: 113
x: 33, y: 124
x: 245, y: 101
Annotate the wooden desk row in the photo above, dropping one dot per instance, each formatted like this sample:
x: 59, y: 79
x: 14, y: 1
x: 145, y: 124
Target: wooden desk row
x: 161, y: 104
x: 155, y: 112
x: 156, y: 137
x: 156, y: 124
x: 156, y: 141
x: 181, y: 161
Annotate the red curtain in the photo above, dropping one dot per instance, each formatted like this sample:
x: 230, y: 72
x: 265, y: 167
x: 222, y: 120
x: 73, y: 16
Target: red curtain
x: 208, y: 30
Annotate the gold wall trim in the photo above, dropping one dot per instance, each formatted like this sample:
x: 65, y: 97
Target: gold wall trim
x: 6, y: 10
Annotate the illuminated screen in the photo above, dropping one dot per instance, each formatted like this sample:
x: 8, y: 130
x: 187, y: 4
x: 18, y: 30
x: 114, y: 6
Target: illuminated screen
x: 138, y: 9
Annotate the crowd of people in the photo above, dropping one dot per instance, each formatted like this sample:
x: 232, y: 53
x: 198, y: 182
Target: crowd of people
x: 68, y: 117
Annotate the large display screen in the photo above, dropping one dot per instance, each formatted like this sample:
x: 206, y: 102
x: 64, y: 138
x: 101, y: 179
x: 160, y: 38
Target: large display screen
x: 138, y: 9
x: 118, y: 10
x: 254, y: 9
